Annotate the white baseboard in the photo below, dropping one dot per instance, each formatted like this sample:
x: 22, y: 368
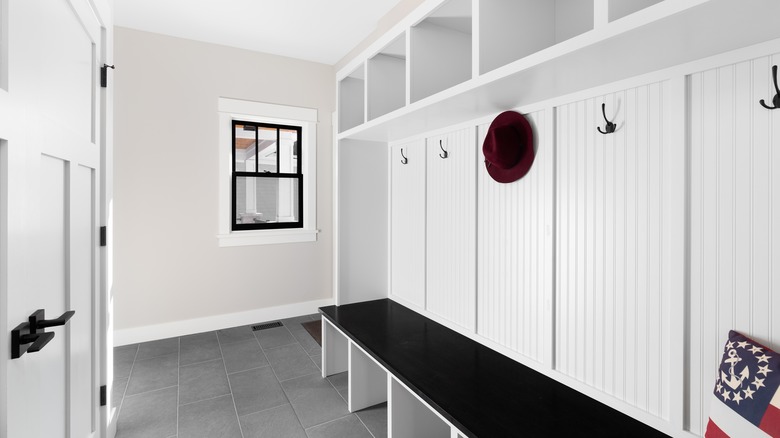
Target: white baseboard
x: 216, y: 322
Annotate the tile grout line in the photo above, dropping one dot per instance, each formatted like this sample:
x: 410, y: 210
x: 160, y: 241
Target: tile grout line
x: 178, y: 386
x: 364, y: 424
x: 124, y: 393
x: 280, y: 383
x: 230, y: 385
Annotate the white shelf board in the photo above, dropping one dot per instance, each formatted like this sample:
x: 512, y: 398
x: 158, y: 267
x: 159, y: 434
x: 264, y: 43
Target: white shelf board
x: 662, y: 36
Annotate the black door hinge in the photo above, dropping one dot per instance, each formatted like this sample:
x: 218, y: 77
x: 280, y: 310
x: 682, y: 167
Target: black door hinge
x: 103, y: 395
x: 102, y: 236
x: 104, y: 75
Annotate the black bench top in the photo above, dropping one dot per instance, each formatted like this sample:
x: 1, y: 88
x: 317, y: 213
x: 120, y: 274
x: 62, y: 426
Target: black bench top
x: 482, y: 392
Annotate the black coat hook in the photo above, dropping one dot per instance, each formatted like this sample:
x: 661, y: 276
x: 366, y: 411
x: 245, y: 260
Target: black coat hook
x: 445, y: 154
x: 609, y: 128
x: 776, y: 99
x: 404, y: 160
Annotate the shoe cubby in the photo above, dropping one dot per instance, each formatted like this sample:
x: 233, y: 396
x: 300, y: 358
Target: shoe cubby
x: 621, y: 8
x: 367, y: 380
x: 352, y: 99
x: 513, y: 29
x: 441, y: 49
x: 408, y: 416
x: 386, y: 81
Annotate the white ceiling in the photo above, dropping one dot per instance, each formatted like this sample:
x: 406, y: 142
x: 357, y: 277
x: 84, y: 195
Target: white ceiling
x: 315, y: 30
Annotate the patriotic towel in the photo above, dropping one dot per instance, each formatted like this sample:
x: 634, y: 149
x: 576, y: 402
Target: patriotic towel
x: 746, y: 399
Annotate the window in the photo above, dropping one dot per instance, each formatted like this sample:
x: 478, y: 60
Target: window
x: 267, y: 180
x: 267, y: 162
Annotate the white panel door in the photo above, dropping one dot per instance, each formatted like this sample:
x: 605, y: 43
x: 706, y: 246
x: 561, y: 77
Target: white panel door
x: 612, y: 313
x: 407, y: 222
x: 50, y: 162
x: 734, y: 216
x: 451, y: 226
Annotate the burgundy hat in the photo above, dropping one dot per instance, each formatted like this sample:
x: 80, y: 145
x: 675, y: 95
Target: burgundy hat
x: 509, y: 147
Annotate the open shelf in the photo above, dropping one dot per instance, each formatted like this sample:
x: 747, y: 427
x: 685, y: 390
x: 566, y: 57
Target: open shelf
x: 621, y: 8
x: 352, y: 95
x: 668, y: 34
x: 513, y: 29
x: 441, y: 49
x: 387, y: 79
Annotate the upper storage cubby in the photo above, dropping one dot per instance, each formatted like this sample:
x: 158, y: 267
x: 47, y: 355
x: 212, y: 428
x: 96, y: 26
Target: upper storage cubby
x: 621, y: 8
x: 513, y: 29
x: 387, y: 79
x: 352, y: 93
x: 441, y: 49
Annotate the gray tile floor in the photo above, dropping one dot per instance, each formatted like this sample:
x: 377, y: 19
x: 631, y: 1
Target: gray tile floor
x: 236, y: 383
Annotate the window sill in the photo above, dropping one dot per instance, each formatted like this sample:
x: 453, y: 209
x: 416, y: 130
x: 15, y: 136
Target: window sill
x: 266, y: 237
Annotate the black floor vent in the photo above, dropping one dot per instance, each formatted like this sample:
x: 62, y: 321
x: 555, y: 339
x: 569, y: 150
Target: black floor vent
x: 267, y: 325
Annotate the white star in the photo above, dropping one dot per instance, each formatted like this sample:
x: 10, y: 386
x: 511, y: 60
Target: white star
x: 737, y: 397
x: 749, y: 393
x: 763, y: 370
x: 729, y: 345
x: 719, y: 387
x: 758, y: 382
x: 726, y: 395
x: 742, y: 344
x: 755, y: 350
x: 764, y: 358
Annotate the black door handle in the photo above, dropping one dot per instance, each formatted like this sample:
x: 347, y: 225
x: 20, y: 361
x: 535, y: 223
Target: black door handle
x: 30, y: 336
x: 38, y: 320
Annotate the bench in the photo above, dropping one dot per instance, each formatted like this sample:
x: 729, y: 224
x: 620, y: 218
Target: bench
x: 439, y: 383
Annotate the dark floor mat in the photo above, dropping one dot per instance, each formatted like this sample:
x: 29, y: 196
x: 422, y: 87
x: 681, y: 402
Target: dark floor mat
x: 315, y: 330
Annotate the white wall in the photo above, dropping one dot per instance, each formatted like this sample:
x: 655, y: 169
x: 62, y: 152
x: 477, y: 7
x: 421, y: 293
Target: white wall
x: 169, y: 268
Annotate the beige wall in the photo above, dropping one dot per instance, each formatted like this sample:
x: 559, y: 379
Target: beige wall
x: 168, y: 266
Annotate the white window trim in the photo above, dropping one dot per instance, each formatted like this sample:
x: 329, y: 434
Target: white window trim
x: 234, y: 109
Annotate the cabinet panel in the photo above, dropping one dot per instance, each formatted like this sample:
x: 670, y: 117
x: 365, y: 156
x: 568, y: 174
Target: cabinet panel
x: 407, y: 222
x: 451, y: 227
x: 611, y: 311
x: 515, y: 253
x: 734, y: 206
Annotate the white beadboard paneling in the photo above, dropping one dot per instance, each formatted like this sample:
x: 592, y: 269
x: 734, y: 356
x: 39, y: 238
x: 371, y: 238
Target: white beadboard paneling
x: 407, y: 222
x: 451, y: 227
x: 610, y: 306
x: 734, y: 211
x: 514, y: 253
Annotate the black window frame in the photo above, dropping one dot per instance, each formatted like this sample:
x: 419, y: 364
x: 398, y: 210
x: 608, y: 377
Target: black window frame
x: 276, y: 175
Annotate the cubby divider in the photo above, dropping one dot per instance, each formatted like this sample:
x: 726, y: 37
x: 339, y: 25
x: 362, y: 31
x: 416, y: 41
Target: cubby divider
x: 441, y: 49
x: 335, y: 351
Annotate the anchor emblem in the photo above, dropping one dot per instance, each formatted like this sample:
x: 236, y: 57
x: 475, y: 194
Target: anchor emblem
x: 735, y: 381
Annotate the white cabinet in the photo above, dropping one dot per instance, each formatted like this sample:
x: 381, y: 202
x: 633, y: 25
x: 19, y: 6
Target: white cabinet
x: 451, y: 226
x: 407, y: 222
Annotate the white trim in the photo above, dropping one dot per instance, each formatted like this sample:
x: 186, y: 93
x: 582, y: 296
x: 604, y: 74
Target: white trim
x: 263, y: 109
x: 266, y: 237
x: 306, y: 118
x: 217, y: 322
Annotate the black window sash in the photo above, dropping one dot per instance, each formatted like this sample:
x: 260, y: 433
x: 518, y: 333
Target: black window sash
x: 256, y: 174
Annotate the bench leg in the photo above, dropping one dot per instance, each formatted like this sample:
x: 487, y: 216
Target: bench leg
x: 335, y: 350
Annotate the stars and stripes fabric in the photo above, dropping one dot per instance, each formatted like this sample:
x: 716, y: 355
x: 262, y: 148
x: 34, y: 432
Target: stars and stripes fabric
x: 746, y: 398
